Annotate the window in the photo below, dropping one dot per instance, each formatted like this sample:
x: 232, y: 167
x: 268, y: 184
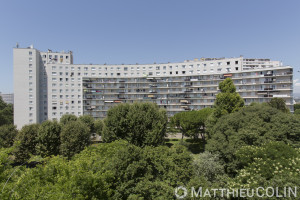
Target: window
x: 150, y: 73
x: 191, y: 66
x: 176, y: 72
x: 78, y: 68
x: 170, y: 72
x: 93, y: 68
x: 236, y: 68
x: 204, y: 65
x: 228, y: 63
x: 183, y: 66
x: 118, y: 74
x: 54, y: 73
x: 157, y: 67
x: 72, y: 68
x: 30, y: 59
x: 183, y: 72
x: 164, y: 67
x: 30, y: 65
x: 170, y: 67
x: 125, y: 68
x: 236, y: 62
x: 219, y: 63
x: 219, y: 69
x: 157, y: 73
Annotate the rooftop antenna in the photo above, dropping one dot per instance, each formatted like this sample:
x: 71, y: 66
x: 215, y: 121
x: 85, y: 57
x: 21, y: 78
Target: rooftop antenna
x: 17, y: 45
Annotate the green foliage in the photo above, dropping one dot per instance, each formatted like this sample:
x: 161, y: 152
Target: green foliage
x: 190, y: 123
x: 89, y: 121
x: 252, y: 125
x: 279, y: 104
x: 274, y: 164
x: 48, y: 138
x: 209, y: 166
x: 139, y: 123
x: 98, y: 124
x: 116, y: 170
x: 297, y: 112
x: 6, y: 113
x: 297, y: 106
x: 67, y: 118
x: 228, y: 100
x: 26, y: 142
x: 74, y: 137
x: 8, y: 133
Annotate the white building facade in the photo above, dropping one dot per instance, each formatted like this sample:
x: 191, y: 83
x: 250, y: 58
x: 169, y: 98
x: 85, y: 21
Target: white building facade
x: 48, y: 85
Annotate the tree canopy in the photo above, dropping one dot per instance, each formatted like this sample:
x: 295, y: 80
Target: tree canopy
x: 228, y: 100
x: 138, y: 123
x: 252, y: 125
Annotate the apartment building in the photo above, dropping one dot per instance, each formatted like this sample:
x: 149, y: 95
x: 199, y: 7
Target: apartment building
x: 7, y: 98
x: 48, y: 84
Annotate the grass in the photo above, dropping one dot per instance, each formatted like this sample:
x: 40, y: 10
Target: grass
x: 195, y: 146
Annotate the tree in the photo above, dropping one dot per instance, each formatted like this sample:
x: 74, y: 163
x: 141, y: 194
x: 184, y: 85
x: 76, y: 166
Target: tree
x: 139, y: 123
x: 209, y: 166
x: 67, y: 118
x: 7, y: 135
x: 89, y: 121
x: 6, y: 113
x: 252, y: 125
x: 279, y: 104
x: 228, y: 100
x: 191, y: 123
x: 26, y: 142
x: 98, y: 125
x: 48, y: 138
x: 117, y: 170
x: 274, y: 164
x: 74, y: 137
x: 296, y: 106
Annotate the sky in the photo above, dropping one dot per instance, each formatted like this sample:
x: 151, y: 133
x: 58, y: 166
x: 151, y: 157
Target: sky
x: 140, y: 31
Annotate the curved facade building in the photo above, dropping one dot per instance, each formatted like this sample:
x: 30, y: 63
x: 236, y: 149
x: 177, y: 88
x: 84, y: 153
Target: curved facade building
x: 48, y: 84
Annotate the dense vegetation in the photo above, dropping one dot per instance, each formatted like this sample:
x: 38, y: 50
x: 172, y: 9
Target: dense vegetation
x: 241, y: 147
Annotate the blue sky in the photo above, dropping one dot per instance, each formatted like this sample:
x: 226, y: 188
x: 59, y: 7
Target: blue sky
x: 137, y: 31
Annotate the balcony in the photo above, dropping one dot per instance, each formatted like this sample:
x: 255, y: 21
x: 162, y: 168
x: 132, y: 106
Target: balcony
x: 188, y: 91
x: 122, y: 87
x: 268, y: 74
x: 268, y: 89
x: 268, y: 81
x: 187, y: 79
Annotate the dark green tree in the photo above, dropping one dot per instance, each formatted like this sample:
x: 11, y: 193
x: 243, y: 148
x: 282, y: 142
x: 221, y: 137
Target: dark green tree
x: 139, y: 123
x: 74, y: 137
x: 48, y: 138
x: 279, y: 104
x: 26, y: 142
x: 89, y: 121
x: 191, y: 123
x: 6, y: 113
x: 8, y: 134
x: 228, y: 100
x: 252, y: 125
x: 98, y: 125
x: 67, y: 118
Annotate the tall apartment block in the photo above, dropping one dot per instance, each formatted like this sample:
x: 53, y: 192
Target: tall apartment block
x: 48, y: 84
